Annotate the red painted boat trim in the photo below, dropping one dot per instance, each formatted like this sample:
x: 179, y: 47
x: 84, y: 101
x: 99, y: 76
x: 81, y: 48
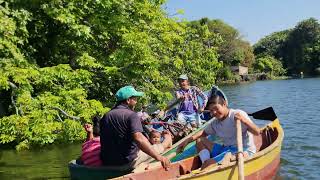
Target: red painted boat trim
x: 268, y: 172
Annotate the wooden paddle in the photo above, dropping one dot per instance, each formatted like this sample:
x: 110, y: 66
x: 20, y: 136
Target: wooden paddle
x: 163, y: 112
x: 164, y: 123
x: 240, y: 151
x: 264, y: 114
x: 177, y: 101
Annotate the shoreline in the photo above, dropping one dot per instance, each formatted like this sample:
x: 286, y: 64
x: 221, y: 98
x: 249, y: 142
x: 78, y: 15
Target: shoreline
x: 235, y: 82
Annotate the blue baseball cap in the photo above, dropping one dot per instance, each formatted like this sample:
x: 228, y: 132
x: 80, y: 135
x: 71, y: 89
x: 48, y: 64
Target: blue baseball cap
x: 126, y: 92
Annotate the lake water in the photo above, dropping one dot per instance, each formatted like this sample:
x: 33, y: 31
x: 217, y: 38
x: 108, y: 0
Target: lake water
x: 296, y: 102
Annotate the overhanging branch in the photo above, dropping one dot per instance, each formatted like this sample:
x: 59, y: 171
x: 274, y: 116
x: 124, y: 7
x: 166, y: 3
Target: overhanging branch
x: 66, y: 114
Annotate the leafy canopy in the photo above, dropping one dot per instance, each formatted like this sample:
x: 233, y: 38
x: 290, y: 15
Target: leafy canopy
x: 62, y: 62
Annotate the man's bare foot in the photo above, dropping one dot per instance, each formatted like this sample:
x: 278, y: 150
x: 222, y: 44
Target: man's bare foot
x: 226, y: 159
x: 233, y: 158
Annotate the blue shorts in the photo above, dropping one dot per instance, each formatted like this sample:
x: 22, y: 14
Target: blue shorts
x: 219, y: 151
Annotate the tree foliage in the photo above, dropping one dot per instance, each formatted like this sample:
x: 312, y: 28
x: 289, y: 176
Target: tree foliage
x: 302, y: 48
x: 234, y: 50
x: 70, y: 57
x: 269, y: 64
x: 297, y: 48
x: 272, y: 45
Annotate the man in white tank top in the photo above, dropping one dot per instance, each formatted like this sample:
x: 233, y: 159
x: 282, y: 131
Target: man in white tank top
x: 224, y: 127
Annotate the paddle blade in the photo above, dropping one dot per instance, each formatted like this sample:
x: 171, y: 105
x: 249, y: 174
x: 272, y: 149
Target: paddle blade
x: 265, y: 114
x: 177, y: 101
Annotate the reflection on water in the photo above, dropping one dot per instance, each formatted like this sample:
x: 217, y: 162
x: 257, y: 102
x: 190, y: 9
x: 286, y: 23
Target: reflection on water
x: 43, y: 163
x: 296, y: 102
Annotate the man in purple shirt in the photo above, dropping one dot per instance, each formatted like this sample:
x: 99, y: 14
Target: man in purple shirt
x: 189, y: 109
x: 122, y: 141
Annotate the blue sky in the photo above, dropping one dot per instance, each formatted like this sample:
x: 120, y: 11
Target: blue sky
x: 253, y: 18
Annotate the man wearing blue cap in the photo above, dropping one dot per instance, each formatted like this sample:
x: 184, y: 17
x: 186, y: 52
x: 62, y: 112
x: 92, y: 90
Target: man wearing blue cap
x: 190, y: 108
x: 123, y: 146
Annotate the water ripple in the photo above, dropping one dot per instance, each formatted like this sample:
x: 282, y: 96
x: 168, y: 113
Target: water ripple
x: 297, y: 104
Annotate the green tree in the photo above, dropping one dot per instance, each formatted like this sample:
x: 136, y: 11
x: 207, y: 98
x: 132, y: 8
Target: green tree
x: 233, y: 50
x: 269, y: 64
x: 301, y: 47
x: 272, y: 45
x: 297, y: 48
x: 62, y: 62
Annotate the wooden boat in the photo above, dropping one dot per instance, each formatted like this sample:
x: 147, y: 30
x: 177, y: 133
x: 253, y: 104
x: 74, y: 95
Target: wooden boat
x: 262, y: 165
x: 82, y: 172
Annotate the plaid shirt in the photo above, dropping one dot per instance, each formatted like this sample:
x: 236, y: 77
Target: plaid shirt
x: 194, y: 93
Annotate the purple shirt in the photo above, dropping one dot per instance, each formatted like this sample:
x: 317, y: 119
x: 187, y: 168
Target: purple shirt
x: 187, y: 106
x: 190, y: 105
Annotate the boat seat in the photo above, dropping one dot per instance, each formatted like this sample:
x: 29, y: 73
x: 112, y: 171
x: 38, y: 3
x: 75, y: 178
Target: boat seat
x: 189, y: 165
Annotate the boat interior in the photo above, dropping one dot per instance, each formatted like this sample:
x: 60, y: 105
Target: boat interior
x: 192, y: 165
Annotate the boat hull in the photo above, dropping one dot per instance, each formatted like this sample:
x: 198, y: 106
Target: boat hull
x: 81, y: 172
x: 262, y: 165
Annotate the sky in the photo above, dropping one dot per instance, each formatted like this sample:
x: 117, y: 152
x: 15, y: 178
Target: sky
x: 253, y: 18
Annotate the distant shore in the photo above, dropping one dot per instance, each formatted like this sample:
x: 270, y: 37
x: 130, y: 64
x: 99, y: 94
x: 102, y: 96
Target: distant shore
x: 249, y: 80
